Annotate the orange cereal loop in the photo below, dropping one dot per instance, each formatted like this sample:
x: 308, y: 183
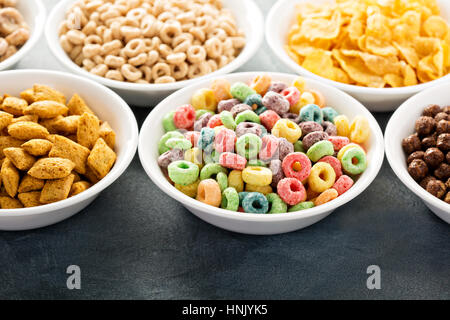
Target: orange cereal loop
x: 326, y: 196
x: 261, y: 84
x: 221, y: 89
x: 209, y: 192
x: 319, y: 99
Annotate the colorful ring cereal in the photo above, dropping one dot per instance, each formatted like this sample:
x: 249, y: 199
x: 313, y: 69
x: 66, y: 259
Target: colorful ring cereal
x: 275, y: 102
x: 311, y: 112
x: 230, y: 199
x: 287, y: 129
x: 269, y: 148
x: 345, y: 148
x: 268, y: 119
x: 190, y: 190
x: 206, y: 139
x: 261, y: 84
x: 342, y: 125
x: 338, y: 142
x: 183, y: 172
x: 210, y: 170
x: 179, y: 143
x: 359, y: 130
x: 291, y: 191
x: 291, y: 94
x: 354, y: 161
x: 322, y: 177
x: 343, y: 184
x: 241, y: 91
x: 247, y: 116
x: 319, y: 150
x: 302, y: 206
x: 276, y: 204
x: 326, y: 196
x: 254, y: 101
x: 255, y: 202
x: 261, y: 189
x: 248, y: 145
x: 221, y: 89
x: 235, y: 180
x: 297, y: 165
x: 232, y: 161
x: 184, y: 117
x: 335, y: 163
x: 168, y: 123
x: 225, y: 140
x: 222, y: 180
x: 162, y: 142
x: 329, y: 114
x: 227, y: 119
x: 258, y: 176
x: 209, y: 192
x: 204, y: 99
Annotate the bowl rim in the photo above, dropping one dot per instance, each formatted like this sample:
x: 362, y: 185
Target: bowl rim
x: 354, y: 89
x: 250, y: 49
x: 150, y: 163
x: 399, y: 167
x: 36, y: 32
x: 118, y: 168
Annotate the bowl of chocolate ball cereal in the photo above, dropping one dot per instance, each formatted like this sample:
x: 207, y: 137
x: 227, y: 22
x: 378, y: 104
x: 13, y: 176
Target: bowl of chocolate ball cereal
x: 145, y: 50
x: 417, y: 143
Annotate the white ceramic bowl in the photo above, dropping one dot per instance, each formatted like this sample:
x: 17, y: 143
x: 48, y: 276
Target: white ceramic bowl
x: 33, y: 12
x: 108, y: 106
x: 256, y: 223
x: 279, y: 21
x: 247, y: 14
x: 399, y: 127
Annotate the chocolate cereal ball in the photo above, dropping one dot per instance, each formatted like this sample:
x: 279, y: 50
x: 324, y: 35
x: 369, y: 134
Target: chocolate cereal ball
x: 443, y: 126
x: 425, y: 181
x: 442, y: 116
x: 433, y: 157
x: 429, y: 142
x: 418, y: 169
x: 425, y: 126
x: 415, y: 155
x: 443, y: 142
x: 432, y: 110
x: 442, y: 171
x: 411, y: 144
x: 436, y: 188
x: 447, y: 197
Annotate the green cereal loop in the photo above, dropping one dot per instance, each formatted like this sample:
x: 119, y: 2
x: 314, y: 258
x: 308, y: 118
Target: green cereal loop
x: 222, y: 180
x: 162, y: 142
x: 319, y: 150
x: 183, y: 172
x: 248, y: 145
x: 329, y: 114
x: 260, y: 110
x: 254, y: 99
x: 347, y: 161
x: 179, y: 143
x: 227, y: 119
x: 230, y: 199
x: 241, y: 91
x: 168, y: 123
x: 212, y: 157
x: 201, y: 112
x: 276, y: 204
x: 256, y: 163
x: 211, y: 169
x: 255, y: 202
x: 298, y: 147
x: 302, y: 206
x: 247, y: 116
x: 242, y: 195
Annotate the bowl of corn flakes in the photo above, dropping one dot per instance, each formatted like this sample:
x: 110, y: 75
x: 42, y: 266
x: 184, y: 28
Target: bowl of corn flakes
x: 380, y: 52
x: 64, y: 140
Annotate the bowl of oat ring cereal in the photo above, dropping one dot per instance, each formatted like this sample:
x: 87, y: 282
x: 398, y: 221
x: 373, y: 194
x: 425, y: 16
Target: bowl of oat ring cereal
x: 21, y: 26
x: 64, y: 140
x: 145, y: 50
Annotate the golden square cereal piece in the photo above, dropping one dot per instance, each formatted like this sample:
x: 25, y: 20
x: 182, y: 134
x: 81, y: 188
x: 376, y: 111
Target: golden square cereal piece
x: 30, y: 117
x: 77, y: 106
x: 5, y: 119
x: 68, y: 149
x: 30, y: 183
x: 42, y: 92
x: 37, y: 147
x: 30, y: 199
x: 15, y: 106
x: 79, y: 187
x: 67, y: 125
x: 77, y: 177
x: 101, y: 159
x: 88, y: 130
x: 7, y: 142
x: 50, y: 124
x: 108, y: 134
x: 28, y: 95
x: 27, y: 130
x: 10, y: 203
x: 51, y: 168
x: 90, y: 175
x: 20, y: 158
x: 10, y: 177
x: 56, y: 190
x: 46, y: 109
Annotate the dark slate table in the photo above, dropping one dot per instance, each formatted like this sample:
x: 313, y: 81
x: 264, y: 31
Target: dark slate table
x: 134, y: 242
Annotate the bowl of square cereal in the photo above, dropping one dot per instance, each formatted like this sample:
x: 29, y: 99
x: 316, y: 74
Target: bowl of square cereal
x: 64, y: 140
x: 380, y: 52
x: 21, y: 25
x: 145, y: 50
x: 261, y: 153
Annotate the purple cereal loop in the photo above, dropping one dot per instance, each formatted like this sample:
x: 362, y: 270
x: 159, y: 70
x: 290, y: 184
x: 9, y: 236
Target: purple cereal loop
x: 240, y: 108
x: 277, y: 87
x: 227, y: 105
x: 284, y: 148
x: 276, y: 102
x: 329, y: 128
x: 170, y: 156
x: 309, y: 126
x: 277, y: 172
x: 248, y: 127
x: 202, y: 121
x: 313, y: 137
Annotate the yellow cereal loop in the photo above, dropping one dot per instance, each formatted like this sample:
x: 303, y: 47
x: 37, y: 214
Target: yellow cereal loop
x: 305, y: 99
x: 347, y: 147
x: 235, y: 180
x: 204, y: 99
x: 261, y: 83
x: 359, y: 130
x: 194, y: 155
x: 299, y: 83
x: 342, y: 125
x: 322, y: 177
x: 285, y: 128
x: 258, y: 176
x: 261, y: 189
x: 190, y: 190
x: 221, y: 89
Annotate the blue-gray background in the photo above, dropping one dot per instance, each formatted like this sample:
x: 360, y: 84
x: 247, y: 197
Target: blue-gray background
x: 134, y: 242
